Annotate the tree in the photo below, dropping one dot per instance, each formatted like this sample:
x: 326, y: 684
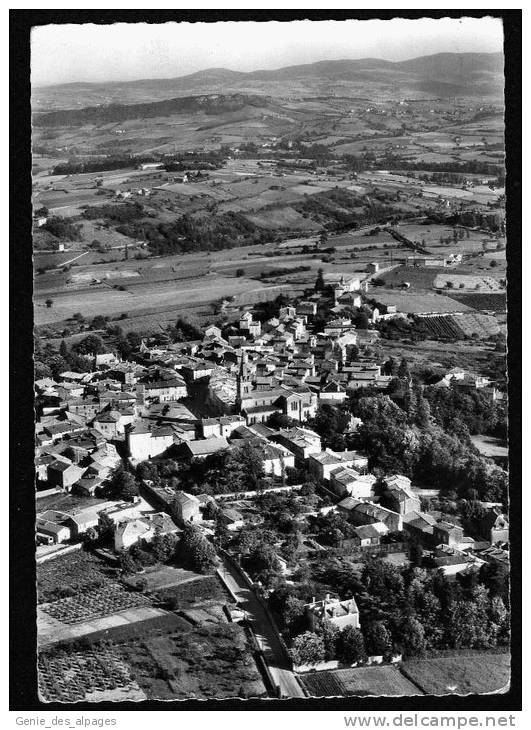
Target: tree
x: 378, y: 640
x: 164, y: 547
x: 127, y: 563
x: 462, y: 627
x: 308, y: 648
x: 351, y: 646
x: 279, y: 421
x: 330, y: 423
x: 495, y: 578
x: 245, y: 465
x: 98, y: 323
x: 391, y: 367
x: 416, y: 553
x: 500, y: 619
x: 90, y: 345
x: 262, y: 559
x: 403, y: 370
x: 361, y: 320
x: 330, y: 635
x: 323, y: 238
x: 319, y: 282
x: 63, y: 349
x: 240, y: 272
x: 147, y: 470
x: 123, y: 485
x: 196, y: 551
x: 106, y: 529
x: 293, y: 615
x: 90, y: 536
x: 412, y: 637
x: 41, y: 370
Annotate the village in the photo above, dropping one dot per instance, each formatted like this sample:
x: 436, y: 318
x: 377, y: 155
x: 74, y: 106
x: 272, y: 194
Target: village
x: 246, y: 456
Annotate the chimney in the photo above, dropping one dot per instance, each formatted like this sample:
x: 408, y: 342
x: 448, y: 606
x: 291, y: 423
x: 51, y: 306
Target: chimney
x: 327, y: 596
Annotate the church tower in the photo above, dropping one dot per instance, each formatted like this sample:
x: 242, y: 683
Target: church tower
x: 243, y: 382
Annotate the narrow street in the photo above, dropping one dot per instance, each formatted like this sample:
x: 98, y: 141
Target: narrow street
x: 265, y: 633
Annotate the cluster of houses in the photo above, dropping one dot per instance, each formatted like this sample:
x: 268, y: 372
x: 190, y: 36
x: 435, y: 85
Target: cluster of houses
x: 252, y: 374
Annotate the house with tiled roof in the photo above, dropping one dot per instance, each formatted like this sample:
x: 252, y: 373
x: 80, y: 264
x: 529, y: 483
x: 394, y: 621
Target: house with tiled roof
x: 365, y: 513
x: 340, y: 613
x: 145, y: 440
x: 400, y: 496
x: 370, y: 534
x: 112, y: 423
x: 143, y: 529
x: 201, y: 448
x: 419, y: 525
x: 63, y: 474
x: 221, y: 426
x: 346, y: 481
x: 301, y: 441
x: 185, y: 508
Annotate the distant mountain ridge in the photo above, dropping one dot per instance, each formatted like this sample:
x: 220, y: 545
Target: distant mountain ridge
x: 441, y: 74
x: 454, y: 63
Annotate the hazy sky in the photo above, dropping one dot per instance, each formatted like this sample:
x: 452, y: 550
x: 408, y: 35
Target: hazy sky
x: 128, y: 51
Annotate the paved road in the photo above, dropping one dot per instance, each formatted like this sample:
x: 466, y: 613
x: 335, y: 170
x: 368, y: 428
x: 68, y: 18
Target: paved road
x: 265, y: 633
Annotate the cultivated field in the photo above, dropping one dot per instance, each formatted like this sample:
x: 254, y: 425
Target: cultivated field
x: 103, y: 300
x: 165, y: 576
x: 86, y: 674
x: 463, y: 281
x: 93, y: 602
x: 416, y: 302
x: 480, y: 673
x: 74, y: 571
x: 459, y: 326
x: 360, y: 682
x: 482, y: 302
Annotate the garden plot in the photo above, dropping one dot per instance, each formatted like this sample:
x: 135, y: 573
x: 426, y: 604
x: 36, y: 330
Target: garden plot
x: 91, y: 603
x: 86, y: 674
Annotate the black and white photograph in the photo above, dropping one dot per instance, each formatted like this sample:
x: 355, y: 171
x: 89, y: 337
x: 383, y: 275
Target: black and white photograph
x: 270, y: 278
